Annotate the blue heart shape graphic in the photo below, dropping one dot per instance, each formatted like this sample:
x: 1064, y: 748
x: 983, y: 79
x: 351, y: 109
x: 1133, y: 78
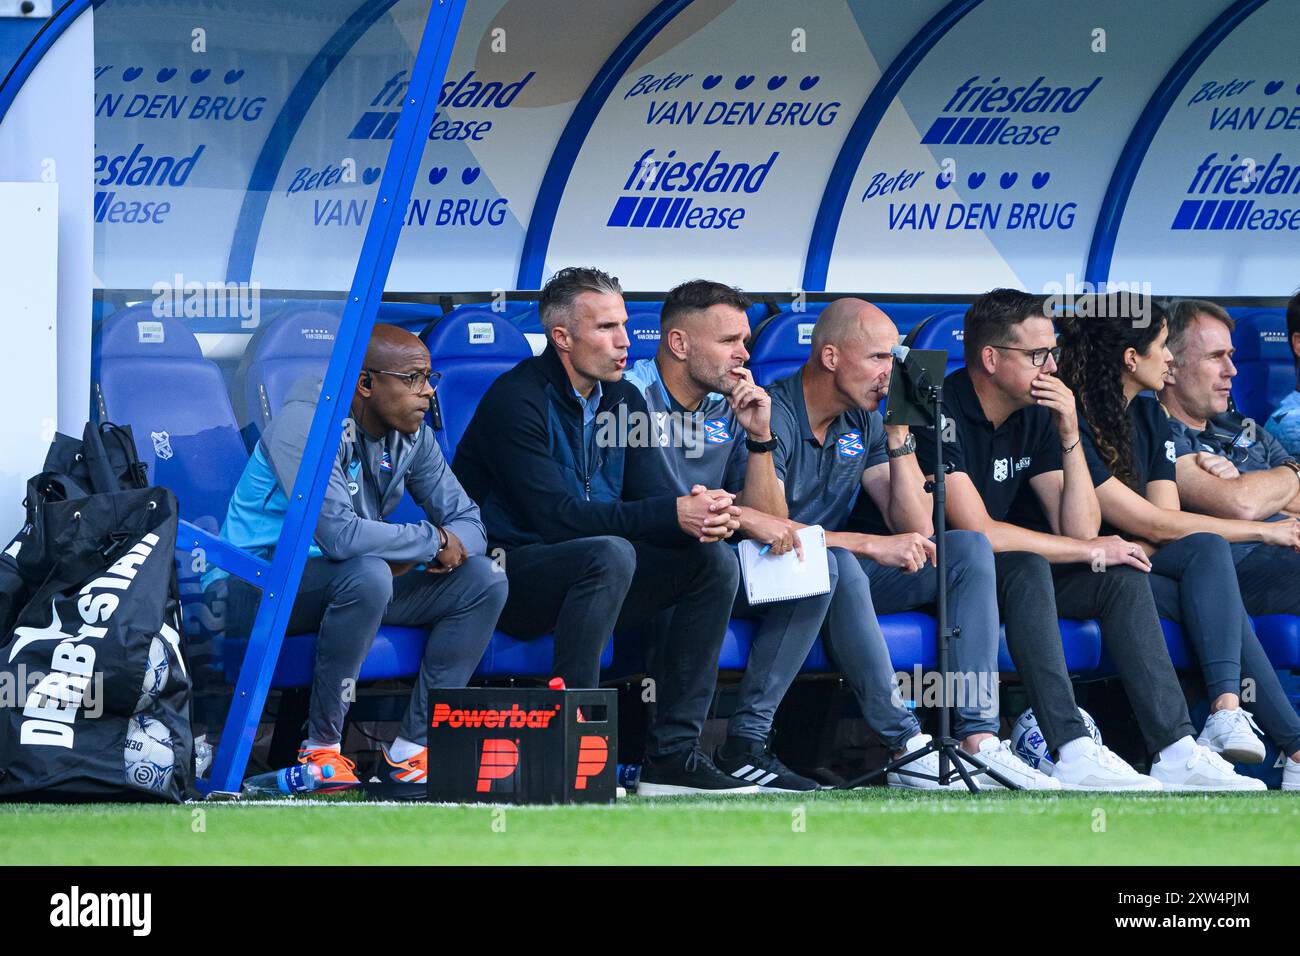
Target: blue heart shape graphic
x: 1040, y: 180
x: 166, y: 74
x: 808, y: 82
x: 776, y: 82
x: 131, y: 73
x: 437, y: 175
x: 1272, y: 86
x: 198, y: 76
x: 975, y: 180
x: 370, y: 175
x: 743, y: 81
x: 941, y: 181
x: 710, y: 81
x: 1008, y: 180
x: 469, y: 174
x: 233, y: 76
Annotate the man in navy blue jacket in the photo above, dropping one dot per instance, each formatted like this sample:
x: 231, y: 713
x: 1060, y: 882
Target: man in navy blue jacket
x: 560, y: 457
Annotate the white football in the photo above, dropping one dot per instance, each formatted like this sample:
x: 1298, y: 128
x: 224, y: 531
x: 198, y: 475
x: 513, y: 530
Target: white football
x: 155, y: 675
x: 148, y: 754
x: 1028, y: 744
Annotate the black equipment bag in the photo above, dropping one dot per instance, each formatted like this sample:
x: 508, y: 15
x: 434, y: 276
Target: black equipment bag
x: 103, y: 460
x: 94, y: 683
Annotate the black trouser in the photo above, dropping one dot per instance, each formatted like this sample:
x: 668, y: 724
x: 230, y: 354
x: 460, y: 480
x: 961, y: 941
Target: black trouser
x: 1033, y: 594
x: 1195, y: 584
x: 586, y: 588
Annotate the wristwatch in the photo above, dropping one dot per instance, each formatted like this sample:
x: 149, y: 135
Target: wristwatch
x: 760, y: 447
x: 442, y: 542
x: 907, y: 448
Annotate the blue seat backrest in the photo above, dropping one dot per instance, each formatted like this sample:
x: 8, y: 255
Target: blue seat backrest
x: 1266, y: 370
x: 907, y: 315
x: 782, y: 344
x: 412, y: 316
x: 470, y: 348
x: 944, y: 331
x: 153, y: 377
x: 522, y: 315
x: 296, y: 345
x: 642, y: 330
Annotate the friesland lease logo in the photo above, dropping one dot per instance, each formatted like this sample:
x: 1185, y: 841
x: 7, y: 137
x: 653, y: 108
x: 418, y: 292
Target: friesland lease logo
x: 462, y: 93
x: 995, y: 112
x: 1237, y: 191
x: 140, y: 166
x: 849, y: 444
x: 672, y: 191
x: 716, y: 432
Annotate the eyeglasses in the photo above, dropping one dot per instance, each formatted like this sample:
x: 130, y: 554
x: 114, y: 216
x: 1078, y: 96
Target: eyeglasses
x: 414, y: 380
x: 1037, y: 356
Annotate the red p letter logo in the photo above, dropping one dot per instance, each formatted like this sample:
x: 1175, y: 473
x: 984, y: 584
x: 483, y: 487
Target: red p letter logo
x: 593, y: 755
x: 500, y: 758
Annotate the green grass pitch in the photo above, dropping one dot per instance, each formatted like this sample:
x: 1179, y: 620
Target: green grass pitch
x: 871, y: 827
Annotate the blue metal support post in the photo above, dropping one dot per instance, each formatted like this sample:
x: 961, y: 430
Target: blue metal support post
x: 382, y: 233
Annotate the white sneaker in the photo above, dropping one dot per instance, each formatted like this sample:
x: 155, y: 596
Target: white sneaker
x: 1291, y: 775
x: 1096, y: 768
x: 999, y: 756
x: 1233, y: 734
x: 1203, y: 770
x: 928, y: 764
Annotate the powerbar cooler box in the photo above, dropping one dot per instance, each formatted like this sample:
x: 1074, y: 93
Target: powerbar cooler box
x: 522, y: 745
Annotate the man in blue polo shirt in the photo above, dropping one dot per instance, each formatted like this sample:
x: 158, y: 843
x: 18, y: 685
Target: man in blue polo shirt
x: 1229, y: 468
x: 714, y: 427
x: 832, y: 445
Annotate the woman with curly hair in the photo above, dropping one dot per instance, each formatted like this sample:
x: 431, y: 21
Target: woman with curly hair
x: 1108, y: 363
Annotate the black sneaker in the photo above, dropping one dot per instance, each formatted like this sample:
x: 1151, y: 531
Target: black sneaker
x: 758, y: 765
x: 686, y: 773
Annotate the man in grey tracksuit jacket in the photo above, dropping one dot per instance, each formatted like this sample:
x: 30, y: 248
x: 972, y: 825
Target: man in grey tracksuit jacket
x: 362, y: 570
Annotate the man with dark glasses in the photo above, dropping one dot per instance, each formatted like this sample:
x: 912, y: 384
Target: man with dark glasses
x: 363, y: 571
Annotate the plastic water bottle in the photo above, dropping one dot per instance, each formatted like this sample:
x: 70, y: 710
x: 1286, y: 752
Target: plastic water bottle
x: 628, y: 775
x: 301, y: 778
x: 557, y: 683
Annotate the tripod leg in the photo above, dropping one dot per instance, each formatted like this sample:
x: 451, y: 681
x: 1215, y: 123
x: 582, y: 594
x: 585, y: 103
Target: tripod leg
x: 896, y: 766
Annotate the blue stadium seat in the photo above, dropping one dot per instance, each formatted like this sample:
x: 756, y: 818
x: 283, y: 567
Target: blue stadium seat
x: 522, y: 315
x: 911, y: 640
x: 944, y: 331
x: 643, y: 330
x: 1080, y: 640
x: 470, y: 347
x: 1178, y: 652
x: 1265, y: 367
x: 296, y: 345
x: 782, y: 343
x: 412, y: 316
x: 153, y: 377
x: 397, y: 652
x: 1279, y: 634
x: 907, y: 315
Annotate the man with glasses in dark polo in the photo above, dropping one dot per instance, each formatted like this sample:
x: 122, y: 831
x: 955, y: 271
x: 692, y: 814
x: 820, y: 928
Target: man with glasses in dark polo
x: 1018, y: 475
x: 363, y: 571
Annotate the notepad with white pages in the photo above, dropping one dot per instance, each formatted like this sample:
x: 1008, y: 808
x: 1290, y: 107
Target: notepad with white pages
x: 770, y: 577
